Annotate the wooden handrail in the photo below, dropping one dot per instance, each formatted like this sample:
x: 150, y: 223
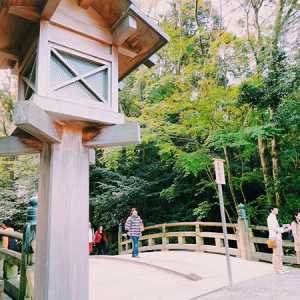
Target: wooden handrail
x: 207, y: 224
x: 197, y: 234
x: 13, y: 234
x: 247, y: 244
x: 10, y: 256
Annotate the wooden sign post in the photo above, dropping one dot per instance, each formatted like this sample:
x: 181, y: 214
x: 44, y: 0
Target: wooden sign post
x: 220, y: 179
x: 69, y: 57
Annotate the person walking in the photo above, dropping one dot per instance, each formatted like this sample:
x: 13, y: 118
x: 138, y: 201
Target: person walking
x: 133, y: 226
x: 91, y: 237
x: 275, y: 234
x: 296, y: 233
x: 100, y: 240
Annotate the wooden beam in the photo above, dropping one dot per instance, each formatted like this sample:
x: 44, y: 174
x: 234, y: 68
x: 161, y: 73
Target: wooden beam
x: 127, y: 51
x: 34, y: 120
x: 123, y: 30
x: 12, y: 54
x: 30, y: 13
x: 121, y: 85
x: 92, y: 111
x: 151, y: 61
x: 92, y: 157
x: 116, y: 135
x: 14, y: 145
x: 48, y: 8
x: 85, y: 3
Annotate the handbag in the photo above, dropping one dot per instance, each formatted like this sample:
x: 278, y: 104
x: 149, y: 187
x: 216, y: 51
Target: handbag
x: 142, y: 226
x: 271, y: 243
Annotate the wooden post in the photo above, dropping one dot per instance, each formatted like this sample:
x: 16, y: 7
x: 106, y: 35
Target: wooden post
x: 164, y: 237
x: 1, y: 289
x: 243, y: 233
x: 10, y: 270
x: 244, y: 240
x: 62, y: 221
x: 198, y: 239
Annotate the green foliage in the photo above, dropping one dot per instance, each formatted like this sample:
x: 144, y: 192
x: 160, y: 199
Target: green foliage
x: 202, y: 210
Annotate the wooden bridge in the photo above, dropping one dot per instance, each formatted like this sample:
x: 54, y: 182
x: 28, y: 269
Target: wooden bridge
x: 246, y: 242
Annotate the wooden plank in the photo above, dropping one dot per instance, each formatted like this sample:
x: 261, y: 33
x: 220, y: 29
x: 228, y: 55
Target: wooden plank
x: 151, y: 61
x: 48, y: 8
x: 127, y: 51
x: 85, y: 3
x: 34, y: 120
x: 43, y: 60
x: 1, y: 289
x: 92, y: 111
x: 113, y: 80
x: 124, y: 30
x: 11, y: 286
x: 116, y: 135
x: 10, y: 256
x: 86, y: 22
x: 12, y: 145
x: 30, y: 13
x: 79, y: 42
x: 92, y: 157
x: 12, y: 54
x: 121, y: 85
x: 13, y: 234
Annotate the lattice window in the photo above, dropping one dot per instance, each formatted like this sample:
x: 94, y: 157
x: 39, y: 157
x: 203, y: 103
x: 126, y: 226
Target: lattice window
x: 75, y: 76
x: 29, y: 80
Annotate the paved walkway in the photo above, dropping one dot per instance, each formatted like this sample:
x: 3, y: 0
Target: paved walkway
x: 182, y: 275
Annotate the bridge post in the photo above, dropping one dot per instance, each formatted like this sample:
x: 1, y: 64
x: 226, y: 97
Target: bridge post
x: 10, y: 270
x: 243, y: 233
x: 29, y: 234
x: 1, y: 289
x: 164, y: 239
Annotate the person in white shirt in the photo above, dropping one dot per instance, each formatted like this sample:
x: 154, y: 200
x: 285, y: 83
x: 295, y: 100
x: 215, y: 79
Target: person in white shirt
x: 275, y: 234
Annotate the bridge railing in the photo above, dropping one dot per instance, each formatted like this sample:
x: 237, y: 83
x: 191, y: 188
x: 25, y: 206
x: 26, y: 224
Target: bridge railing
x: 246, y: 241
x: 10, y: 262
x: 198, y: 238
x: 20, y: 286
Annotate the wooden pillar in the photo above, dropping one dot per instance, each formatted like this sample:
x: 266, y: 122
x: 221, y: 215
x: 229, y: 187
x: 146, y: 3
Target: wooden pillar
x: 61, y: 269
x: 244, y: 240
x: 1, y: 289
x: 10, y: 270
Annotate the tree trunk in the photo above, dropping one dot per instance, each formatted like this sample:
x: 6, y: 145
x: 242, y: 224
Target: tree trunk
x: 277, y: 172
x: 265, y: 163
x: 229, y: 178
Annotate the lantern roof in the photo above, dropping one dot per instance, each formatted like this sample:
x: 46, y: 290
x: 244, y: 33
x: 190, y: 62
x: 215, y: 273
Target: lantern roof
x: 104, y: 20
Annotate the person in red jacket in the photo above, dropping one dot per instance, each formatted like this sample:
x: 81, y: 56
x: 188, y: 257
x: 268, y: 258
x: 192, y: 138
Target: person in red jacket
x: 100, y: 240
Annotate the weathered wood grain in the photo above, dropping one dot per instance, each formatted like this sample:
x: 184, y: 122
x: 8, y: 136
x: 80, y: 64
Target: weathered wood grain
x: 116, y: 135
x: 26, y: 12
x: 123, y: 30
x: 34, y: 120
x: 13, y: 145
x: 67, y: 111
x: 61, y: 268
x: 48, y: 8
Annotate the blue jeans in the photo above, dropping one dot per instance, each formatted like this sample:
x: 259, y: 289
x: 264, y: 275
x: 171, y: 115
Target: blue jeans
x: 135, y: 248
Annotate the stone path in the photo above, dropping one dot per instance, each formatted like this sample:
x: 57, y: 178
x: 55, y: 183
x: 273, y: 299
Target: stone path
x: 170, y: 275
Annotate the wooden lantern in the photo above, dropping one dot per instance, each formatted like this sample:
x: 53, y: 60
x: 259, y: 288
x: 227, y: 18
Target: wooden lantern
x: 70, y: 57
